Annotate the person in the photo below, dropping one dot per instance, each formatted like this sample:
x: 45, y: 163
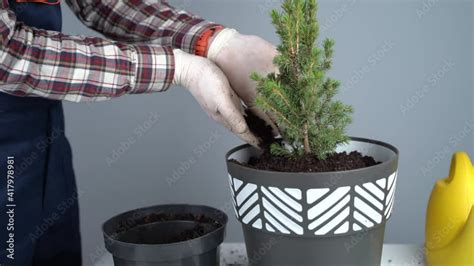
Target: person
x: 148, y: 46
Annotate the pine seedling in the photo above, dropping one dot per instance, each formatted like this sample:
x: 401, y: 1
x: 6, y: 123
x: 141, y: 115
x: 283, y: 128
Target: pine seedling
x: 300, y: 97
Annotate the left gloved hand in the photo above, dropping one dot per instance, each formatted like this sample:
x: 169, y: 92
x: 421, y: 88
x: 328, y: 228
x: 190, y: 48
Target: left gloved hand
x: 211, y: 89
x: 238, y: 56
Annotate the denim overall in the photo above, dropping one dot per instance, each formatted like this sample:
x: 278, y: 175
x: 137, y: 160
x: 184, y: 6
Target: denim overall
x: 42, y: 212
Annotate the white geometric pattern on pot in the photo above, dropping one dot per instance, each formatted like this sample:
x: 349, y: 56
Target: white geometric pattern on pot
x: 390, y: 200
x: 324, y: 211
x: 329, y: 211
x: 282, y: 211
x: 372, y: 202
x: 245, y: 198
x: 231, y: 184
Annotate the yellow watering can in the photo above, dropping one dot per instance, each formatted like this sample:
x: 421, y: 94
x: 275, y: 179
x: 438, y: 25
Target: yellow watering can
x: 450, y: 217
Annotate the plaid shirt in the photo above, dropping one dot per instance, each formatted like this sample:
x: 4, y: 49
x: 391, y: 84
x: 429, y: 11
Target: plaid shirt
x: 35, y: 62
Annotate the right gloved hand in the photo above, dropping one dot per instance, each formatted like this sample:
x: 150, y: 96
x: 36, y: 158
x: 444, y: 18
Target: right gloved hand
x: 210, y: 87
x: 238, y: 56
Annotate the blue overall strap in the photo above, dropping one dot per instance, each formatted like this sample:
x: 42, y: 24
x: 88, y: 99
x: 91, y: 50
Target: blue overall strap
x: 39, y: 220
x: 38, y: 15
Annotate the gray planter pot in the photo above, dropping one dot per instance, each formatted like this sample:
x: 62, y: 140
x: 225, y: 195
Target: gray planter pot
x: 331, y: 218
x: 132, y: 244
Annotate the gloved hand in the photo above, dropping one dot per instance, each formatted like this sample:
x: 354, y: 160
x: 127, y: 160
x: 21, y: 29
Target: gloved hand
x: 210, y: 87
x: 238, y: 56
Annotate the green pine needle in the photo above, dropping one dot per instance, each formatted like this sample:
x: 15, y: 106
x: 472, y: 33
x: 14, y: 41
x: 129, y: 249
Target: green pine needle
x: 301, y: 96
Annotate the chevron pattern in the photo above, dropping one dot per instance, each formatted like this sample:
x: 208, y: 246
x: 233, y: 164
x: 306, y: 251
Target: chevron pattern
x: 321, y: 212
x: 328, y: 211
x: 282, y: 209
x: 392, y: 184
x: 245, y: 199
x: 368, y: 205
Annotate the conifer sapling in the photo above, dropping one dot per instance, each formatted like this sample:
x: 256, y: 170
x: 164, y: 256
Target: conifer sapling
x: 300, y: 96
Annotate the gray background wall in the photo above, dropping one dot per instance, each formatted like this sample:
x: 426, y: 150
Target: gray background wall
x: 406, y: 67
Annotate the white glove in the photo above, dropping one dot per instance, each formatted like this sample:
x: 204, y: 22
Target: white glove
x: 238, y: 56
x: 210, y: 87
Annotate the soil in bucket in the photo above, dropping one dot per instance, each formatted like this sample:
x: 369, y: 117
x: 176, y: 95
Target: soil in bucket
x: 165, y: 228
x: 342, y: 161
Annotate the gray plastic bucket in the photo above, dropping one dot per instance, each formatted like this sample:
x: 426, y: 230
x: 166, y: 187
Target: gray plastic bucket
x: 134, y: 243
x: 329, y: 218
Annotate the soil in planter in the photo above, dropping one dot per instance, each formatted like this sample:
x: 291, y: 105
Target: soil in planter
x: 335, y: 162
x: 138, y: 231
x: 342, y: 161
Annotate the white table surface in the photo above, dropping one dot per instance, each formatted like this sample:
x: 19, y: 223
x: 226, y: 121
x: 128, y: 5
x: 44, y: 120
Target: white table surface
x: 393, y: 255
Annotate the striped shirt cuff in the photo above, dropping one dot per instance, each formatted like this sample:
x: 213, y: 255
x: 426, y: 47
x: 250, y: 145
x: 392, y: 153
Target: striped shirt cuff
x: 154, y: 68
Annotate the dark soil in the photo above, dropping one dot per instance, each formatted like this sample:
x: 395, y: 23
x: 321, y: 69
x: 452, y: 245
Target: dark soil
x: 165, y: 217
x: 204, y: 225
x: 260, y: 129
x: 335, y: 162
x: 307, y: 163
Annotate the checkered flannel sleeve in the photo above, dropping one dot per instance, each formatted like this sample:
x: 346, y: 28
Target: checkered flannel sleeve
x: 49, y: 64
x: 142, y: 21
